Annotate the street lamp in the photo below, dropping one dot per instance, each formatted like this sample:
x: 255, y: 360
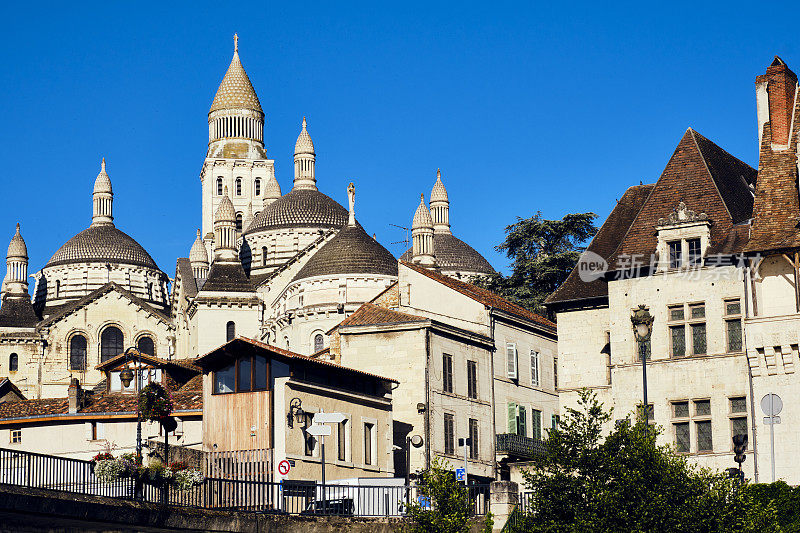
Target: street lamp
x: 126, y: 376
x: 295, y: 413
x: 642, y: 322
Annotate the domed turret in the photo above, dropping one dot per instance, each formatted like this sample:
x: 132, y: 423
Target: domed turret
x: 440, y: 206
x: 16, y: 280
x: 102, y: 199
x: 304, y: 161
x: 225, y: 230
x: 198, y: 258
x: 272, y: 191
x: 422, y: 236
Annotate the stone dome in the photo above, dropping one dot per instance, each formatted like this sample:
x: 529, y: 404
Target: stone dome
x: 198, y: 253
x: 303, y: 208
x: 422, y: 217
x: 438, y: 193
x: 17, y: 248
x: 225, y: 211
x: 272, y: 189
x: 304, y: 144
x: 102, y: 244
x: 236, y: 91
x: 103, y: 183
x: 453, y: 254
x: 351, y: 251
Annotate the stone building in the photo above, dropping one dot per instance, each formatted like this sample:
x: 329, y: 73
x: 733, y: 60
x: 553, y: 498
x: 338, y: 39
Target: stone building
x: 470, y: 365
x: 711, y: 250
x: 282, y: 268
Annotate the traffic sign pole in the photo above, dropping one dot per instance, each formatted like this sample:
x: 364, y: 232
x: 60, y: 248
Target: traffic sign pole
x: 772, y: 432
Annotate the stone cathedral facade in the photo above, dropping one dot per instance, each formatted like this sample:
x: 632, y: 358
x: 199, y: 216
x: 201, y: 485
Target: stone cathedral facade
x: 281, y: 268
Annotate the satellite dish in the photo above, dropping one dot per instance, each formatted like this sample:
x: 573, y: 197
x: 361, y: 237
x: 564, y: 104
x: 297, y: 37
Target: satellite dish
x: 416, y: 441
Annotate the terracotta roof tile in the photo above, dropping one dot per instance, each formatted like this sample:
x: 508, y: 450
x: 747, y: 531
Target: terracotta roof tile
x: 372, y: 315
x: 482, y: 296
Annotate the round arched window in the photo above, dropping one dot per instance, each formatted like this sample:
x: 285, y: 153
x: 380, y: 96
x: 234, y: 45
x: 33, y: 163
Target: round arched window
x: 319, y: 342
x: 238, y: 222
x: 111, y: 343
x: 146, y: 345
x: 230, y: 331
x: 77, y: 352
x: 13, y: 362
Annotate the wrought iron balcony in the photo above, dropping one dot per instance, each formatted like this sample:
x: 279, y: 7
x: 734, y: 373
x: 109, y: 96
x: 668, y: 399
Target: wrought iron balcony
x: 518, y: 446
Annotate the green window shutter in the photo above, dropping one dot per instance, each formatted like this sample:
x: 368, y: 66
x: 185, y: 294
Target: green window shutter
x: 523, y: 427
x: 512, y: 417
x: 536, y: 424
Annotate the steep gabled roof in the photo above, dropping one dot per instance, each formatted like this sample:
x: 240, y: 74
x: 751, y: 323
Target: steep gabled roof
x: 227, y: 277
x: 18, y: 313
x: 7, y: 386
x: 483, y: 296
x: 604, y: 244
x: 708, y: 180
x: 189, y: 282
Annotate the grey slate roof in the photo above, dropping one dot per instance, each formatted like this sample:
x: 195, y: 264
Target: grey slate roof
x: 454, y: 254
x: 102, y: 244
x: 300, y: 208
x: 184, y: 267
x: 352, y: 251
x: 227, y: 277
x: 18, y: 313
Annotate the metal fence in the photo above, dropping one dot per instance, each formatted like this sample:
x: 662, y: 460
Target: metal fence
x: 35, y: 470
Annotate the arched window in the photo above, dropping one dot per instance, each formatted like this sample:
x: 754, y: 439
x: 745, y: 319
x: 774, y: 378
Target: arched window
x: 257, y: 187
x: 146, y: 345
x: 319, y: 342
x: 238, y: 222
x: 219, y: 186
x: 230, y: 331
x: 263, y: 256
x: 58, y: 287
x: 286, y: 340
x: 149, y: 291
x: 238, y: 186
x: 111, y: 343
x: 77, y: 352
x: 13, y: 362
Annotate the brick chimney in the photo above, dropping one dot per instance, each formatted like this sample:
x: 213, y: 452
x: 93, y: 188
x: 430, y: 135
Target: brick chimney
x: 75, y: 395
x: 775, y: 95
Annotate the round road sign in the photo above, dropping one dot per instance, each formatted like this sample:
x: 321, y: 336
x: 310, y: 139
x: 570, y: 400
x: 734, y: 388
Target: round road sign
x: 284, y: 467
x: 771, y: 404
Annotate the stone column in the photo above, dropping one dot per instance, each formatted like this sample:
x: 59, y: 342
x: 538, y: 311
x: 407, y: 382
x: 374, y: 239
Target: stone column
x: 503, y: 498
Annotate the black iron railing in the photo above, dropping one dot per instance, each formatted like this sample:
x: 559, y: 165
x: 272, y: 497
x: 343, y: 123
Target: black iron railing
x: 49, y: 472
x: 518, y: 445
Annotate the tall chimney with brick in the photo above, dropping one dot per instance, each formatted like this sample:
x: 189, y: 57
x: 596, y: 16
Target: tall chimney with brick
x: 75, y: 396
x: 775, y: 97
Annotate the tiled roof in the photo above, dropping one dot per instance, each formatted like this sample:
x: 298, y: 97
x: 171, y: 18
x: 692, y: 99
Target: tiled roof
x: 227, y: 277
x: 102, y: 244
x: 7, y: 386
x: 351, y: 251
x: 108, y: 287
x: 604, y: 244
x: 94, y: 404
x: 18, y: 313
x: 184, y: 269
x: 204, y: 359
x: 300, y: 208
x: 452, y: 253
x: 483, y: 296
x: 114, y: 362
x: 696, y: 176
x: 194, y: 384
x: 236, y: 91
x: 372, y: 315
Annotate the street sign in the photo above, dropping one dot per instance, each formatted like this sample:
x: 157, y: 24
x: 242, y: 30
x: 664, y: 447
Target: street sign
x: 461, y: 473
x: 284, y: 467
x: 318, y: 430
x: 771, y: 404
x: 772, y: 420
x: 329, y: 418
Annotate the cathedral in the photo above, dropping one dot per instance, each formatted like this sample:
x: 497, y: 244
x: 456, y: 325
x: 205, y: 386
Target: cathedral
x: 284, y: 269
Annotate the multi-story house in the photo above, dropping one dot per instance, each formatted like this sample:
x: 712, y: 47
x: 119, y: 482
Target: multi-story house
x: 711, y: 252
x: 469, y: 364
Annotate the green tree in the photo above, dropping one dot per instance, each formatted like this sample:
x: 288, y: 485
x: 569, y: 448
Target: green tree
x: 449, y: 507
x: 543, y: 253
x: 626, y: 482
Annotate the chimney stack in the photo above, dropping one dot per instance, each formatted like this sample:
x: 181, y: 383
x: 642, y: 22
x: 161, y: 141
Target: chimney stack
x: 75, y: 395
x: 775, y: 95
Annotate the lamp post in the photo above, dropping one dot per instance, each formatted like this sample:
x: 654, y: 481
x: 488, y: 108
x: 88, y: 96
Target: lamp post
x: 642, y: 322
x: 126, y: 376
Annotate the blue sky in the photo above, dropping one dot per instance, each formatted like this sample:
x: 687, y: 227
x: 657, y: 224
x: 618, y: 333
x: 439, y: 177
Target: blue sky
x: 552, y: 107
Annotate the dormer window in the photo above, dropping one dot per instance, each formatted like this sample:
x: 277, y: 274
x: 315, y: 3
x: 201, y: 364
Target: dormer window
x: 683, y: 238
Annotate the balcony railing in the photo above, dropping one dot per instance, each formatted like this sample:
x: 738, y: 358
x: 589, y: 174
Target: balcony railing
x: 518, y: 446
